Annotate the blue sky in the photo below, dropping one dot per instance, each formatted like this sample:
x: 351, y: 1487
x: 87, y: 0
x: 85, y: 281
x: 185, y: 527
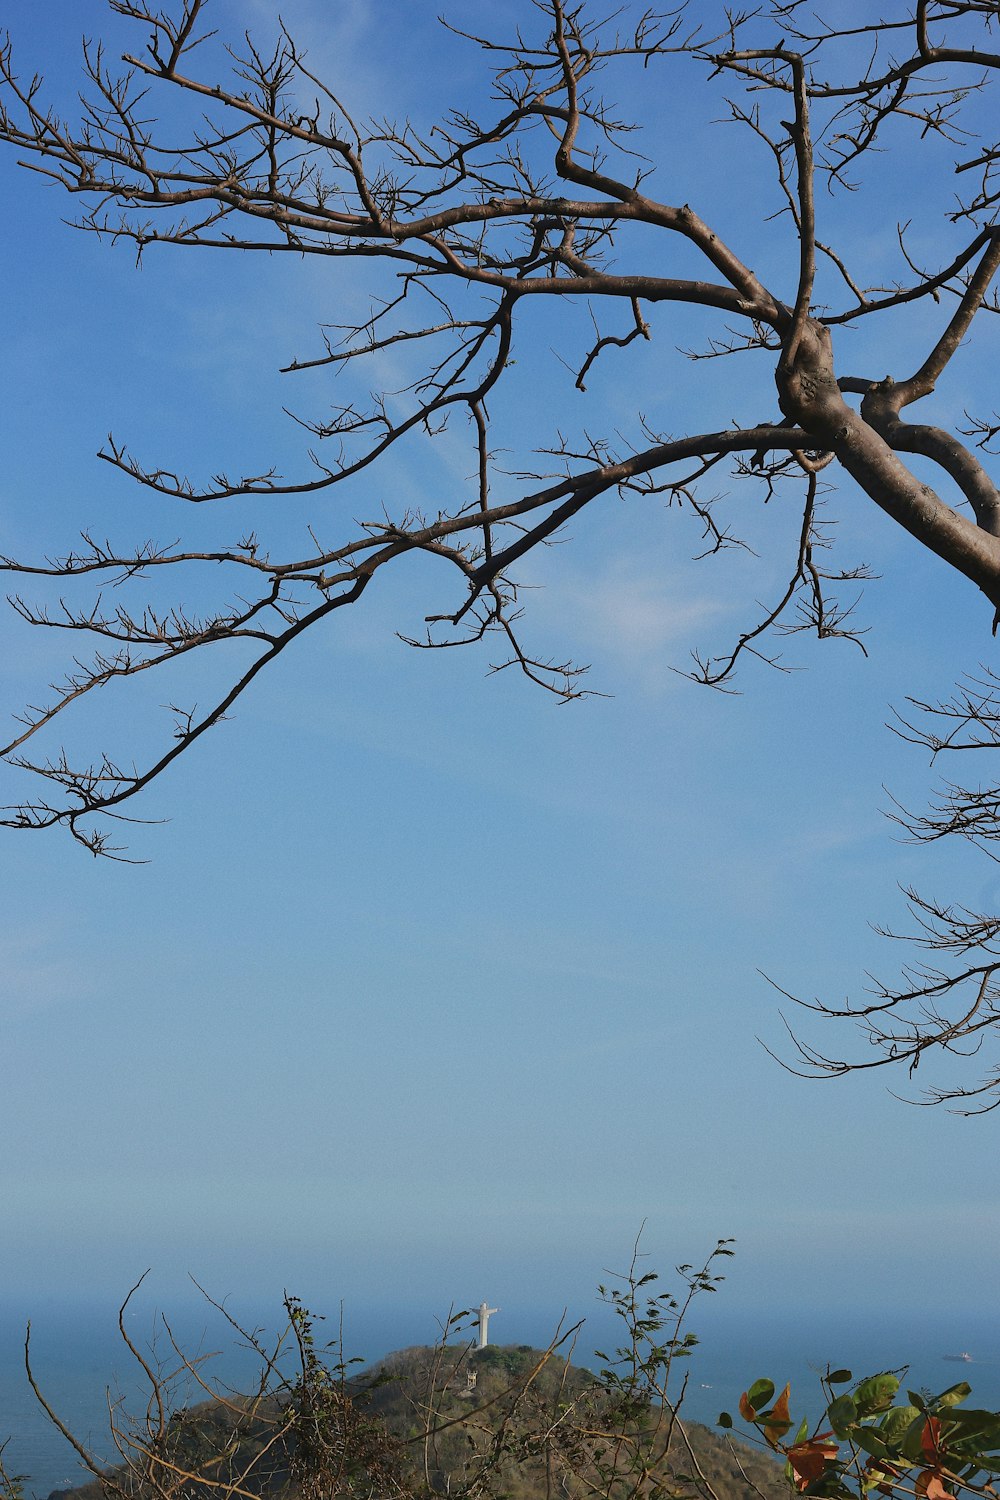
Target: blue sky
x: 432, y: 988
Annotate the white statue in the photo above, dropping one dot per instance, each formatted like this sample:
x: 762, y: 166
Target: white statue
x: 485, y: 1313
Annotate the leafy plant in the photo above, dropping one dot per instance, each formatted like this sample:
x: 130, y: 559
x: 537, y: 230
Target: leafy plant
x: 928, y: 1447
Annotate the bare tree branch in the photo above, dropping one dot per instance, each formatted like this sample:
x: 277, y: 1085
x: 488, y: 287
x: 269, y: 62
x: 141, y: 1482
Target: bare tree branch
x: 474, y: 229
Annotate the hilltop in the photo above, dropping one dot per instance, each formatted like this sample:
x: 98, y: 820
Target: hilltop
x: 509, y: 1422
x: 561, y: 1396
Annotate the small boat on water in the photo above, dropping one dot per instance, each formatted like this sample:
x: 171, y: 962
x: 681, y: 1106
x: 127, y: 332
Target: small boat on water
x: 965, y: 1358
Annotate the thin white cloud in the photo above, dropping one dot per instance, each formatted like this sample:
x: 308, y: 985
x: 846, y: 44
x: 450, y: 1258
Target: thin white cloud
x: 629, y: 614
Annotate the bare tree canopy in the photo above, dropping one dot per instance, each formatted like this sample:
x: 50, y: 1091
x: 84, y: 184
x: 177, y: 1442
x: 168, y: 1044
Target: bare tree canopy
x: 468, y: 228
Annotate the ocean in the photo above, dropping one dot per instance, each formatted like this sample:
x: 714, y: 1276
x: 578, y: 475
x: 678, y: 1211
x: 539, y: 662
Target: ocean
x: 80, y: 1363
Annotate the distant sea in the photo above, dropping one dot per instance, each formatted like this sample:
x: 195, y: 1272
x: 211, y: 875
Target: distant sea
x: 79, y: 1361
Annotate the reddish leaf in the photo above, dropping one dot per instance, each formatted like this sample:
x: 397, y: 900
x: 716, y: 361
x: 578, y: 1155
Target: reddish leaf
x: 810, y: 1459
x: 746, y: 1410
x: 777, y: 1421
x: 929, y: 1486
x: 930, y: 1438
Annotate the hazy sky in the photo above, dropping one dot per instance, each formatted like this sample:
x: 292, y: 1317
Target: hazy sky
x: 432, y: 988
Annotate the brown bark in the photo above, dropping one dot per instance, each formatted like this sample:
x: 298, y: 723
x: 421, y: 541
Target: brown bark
x: 866, y: 445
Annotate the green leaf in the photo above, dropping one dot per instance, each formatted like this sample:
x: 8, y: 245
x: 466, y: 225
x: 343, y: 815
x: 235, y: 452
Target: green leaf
x: 843, y: 1413
x: 839, y: 1377
x: 802, y: 1433
x: 875, y: 1393
x: 725, y: 1420
x: 982, y: 1427
x: 760, y: 1393
x: 954, y: 1394
x: 985, y: 1465
x: 871, y: 1440
x: 895, y: 1422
